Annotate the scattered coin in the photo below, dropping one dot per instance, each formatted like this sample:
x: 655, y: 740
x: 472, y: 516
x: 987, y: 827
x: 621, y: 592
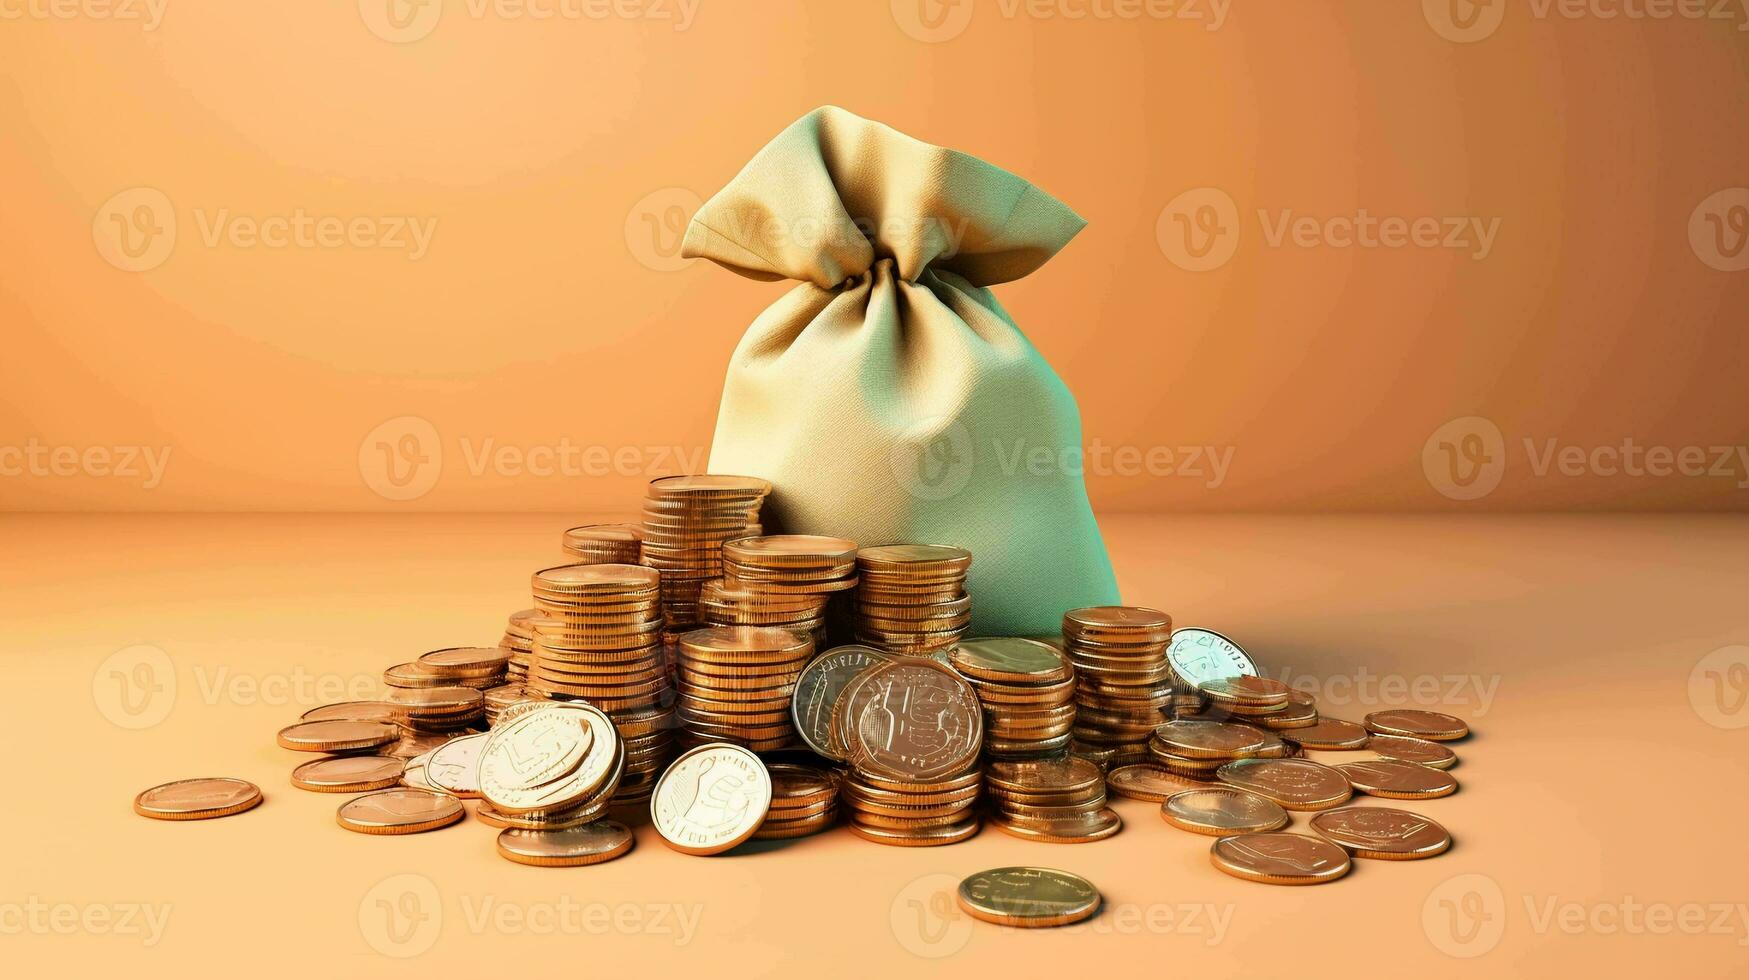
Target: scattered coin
x: 1068, y: 828
x: 348, y: 773
x: 399, y: 811
x: 197, y: 799
x: 1414, y: 750
x: 1028, y: 897
x: 1280, y: 858
x: 571, y: 847
x: 1220, y: 812
x: 1296, y: 784
x: 1382, y: 833
x: 1331, y: 735
x: 711, y: 799
x: 1141, y: 781
x: 337, y: 736
x: 1211, y: 739
x: 1434, y: 726
x: 1394, y: 779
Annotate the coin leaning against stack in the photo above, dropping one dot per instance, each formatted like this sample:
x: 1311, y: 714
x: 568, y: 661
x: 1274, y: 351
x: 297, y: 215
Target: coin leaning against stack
x: 736, y: 683
x: 1061, y: 801
x: 1123, y: 683
x: 686, y: 520
x: 725, y: 604
x: 912, y: 598
x: 604, y: 544
x: 1027, y: 689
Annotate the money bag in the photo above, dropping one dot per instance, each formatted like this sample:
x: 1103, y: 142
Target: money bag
x: 888, y: 397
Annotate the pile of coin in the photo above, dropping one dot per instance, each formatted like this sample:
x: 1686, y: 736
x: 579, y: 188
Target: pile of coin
x: 725, y: 604
x: 604, y: 544
x: 790, y: 564
x: 1122, y: 681
x: 477, y: 667
x: 736, y: 683
x: 549, y: 767
x: 804, y: 801
x: 1198, y: 749
x: 1027, y: 689
x: 519, y: 640
x: 686, y: 520
x: 913, y: 813
x: 1196, y: 655
x: 601, y: 642
x: 1061, y: 801
x: 502, y: 697
x: 438, y: 710
x: 912, y: 598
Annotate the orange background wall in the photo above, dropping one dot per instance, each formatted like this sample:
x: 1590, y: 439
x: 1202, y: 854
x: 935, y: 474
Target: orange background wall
x: 557, y: 157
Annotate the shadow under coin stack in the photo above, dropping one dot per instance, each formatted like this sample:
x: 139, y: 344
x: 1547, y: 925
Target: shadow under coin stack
x: 601, y: 642
x: 1198, y: 749
x: 1060, y: 801
x: 912, y: 600
x: 911, y: 730
x: 804, y: 801
x: 1027, y: 689
x: 686, y: 521
x: 519, y: 640
x: 1123, y: 682
x: 723, y: 604
x: 604, y: 544
x: 736, y: 683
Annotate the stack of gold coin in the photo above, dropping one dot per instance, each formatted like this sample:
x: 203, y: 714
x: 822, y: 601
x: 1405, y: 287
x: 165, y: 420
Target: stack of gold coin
x: 519, y: 640
x: 476, y: 667
x: 1123, y: 682
x: 912, y: 598
x: 602, y: 642
x: 1027, y: 689
x: 1061, y: 801
x: 913, y: 813
x: 604, y: 544
x: 1197, y: 749
x: 804, y: 801
x: 438, y: 710
x: 723, y: 604
x: 686, y: 521
x: 736, y: 683
x: 549, y: 766
x: 790, y: 565
x: 499, y: 699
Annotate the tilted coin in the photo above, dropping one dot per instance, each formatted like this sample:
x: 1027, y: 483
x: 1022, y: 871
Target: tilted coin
x: 399, y: 811
x: 1382, y: 833
x: 1244, y: 690
x: 453, y: 660
x: 1434, y: 726
x: 1280, y: 859
x: 1415, y: 750
x: 913, y: 719
x: 1330, y: 734
x: 1010, y: 658
x: 197, y: 799
x: 353, y: 711
x: 549, y: 758
x: 1212, y: 739
x: 572, y: 847
x: 348, y: 773
x: 711, y: 799
x: 1200, y: 655
x: 1394, y: 779
x: 1028, y: 897
x: 1221, y: 811
x: 1144, y: 782
x: 454, y: 766
x: 337, y: 736
x: 1297, y: 784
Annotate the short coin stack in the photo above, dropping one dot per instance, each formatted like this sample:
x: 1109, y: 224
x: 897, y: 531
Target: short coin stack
x: 1027, y: 689
x: 476, y: 667
x: 1198, y: 749
x: 604, y: 544
x: 912, y: 598
x: 438, y: 710
x: 519, y: 640
x: 790, y: 564
x: 686, y: 521
x: 1061, y: 801
x: 1123, y: 682
x: 804, y: 801
x: 723, y: 604
x: 736, y: 683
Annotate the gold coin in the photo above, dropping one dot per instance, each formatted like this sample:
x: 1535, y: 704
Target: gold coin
x: 337, y: 736
x: 1011, y: 659
x: 919, y: 837
x: 1211, y: 739
x: 818, y: 688
x: 912, y: 720
x: 1433, y: 726
x: 1028, y: 897
x: 464, y: 660
x: 353, y: 711
x: 1296, y: 716
x: 1219, y: 811
x: 711, y: 799
x: 1244, y: 690
x: 1280, y: 859
x: 454, y: 766
x: 399, y: 811
x: 1297, y: 784
x: 1331, y: 735
x: 198, y: 799
x: 543, y: 760
x: 1382, y: 833
x: 1412, y: 750
x: 794, y: 785
x: 1063, y: 775
x: 348, y: 773
x: 791, y: 551
x: 1393, y: 779
x: 714, y: 485
x: 1145, y: 782
x: 1078, y: 828
x: 900, y: 558
x: 572, y: 847
x: 595, y: 580
x: 1117, y: 622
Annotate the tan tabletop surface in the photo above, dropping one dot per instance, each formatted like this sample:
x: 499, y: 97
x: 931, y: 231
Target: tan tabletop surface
x: 1599, y: 823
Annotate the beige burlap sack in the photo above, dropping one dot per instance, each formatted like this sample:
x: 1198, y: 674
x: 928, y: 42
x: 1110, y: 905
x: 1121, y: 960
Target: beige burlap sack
x: 888, y: 397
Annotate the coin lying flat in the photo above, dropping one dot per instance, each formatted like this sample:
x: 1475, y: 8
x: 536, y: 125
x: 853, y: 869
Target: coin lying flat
x: 337, y: 736
x: 1144, y: 782
x: 1296, y: 784
x: 572, y: 847
x: 198, y: 799
x: 1393, y: 779
x: 1382, y: 833
x: 711, y: 799
x: 353, y: 711
x: 1415, y: 750
x: 348, y: 773
x: 1028, y: 898
x: 399, y: 811
x: 1434, y: 726
x: 1280, y: 859
x: 1211, y: 739
x: 1220, y: 812
x: 1068, y: 828
x: 1330, y: 735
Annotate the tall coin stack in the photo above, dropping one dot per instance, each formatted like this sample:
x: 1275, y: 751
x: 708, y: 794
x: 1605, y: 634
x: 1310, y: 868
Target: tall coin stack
x: 519, y: 640
x: 723, y: 604
x: 1123, y: 682
x: 736, y: 683
x: 604, y: 544
x: 1061, y: 801
x: 1027, y: 689
x: 912, y: 599
x: 601, y: 642
x: 686, y: 521
x: 790, y: 565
